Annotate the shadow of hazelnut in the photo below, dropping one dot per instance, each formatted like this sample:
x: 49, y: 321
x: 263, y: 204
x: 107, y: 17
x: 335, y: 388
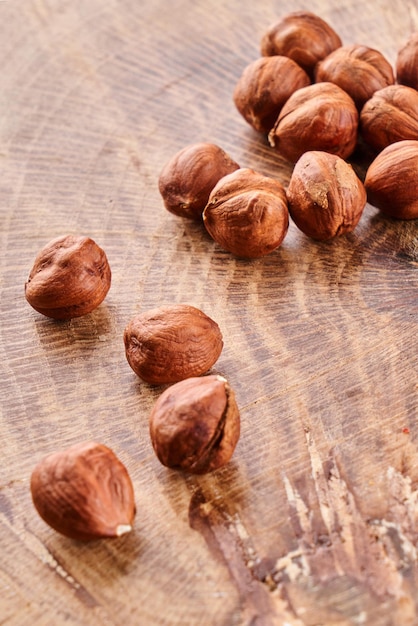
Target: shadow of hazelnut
x: 81, y: 333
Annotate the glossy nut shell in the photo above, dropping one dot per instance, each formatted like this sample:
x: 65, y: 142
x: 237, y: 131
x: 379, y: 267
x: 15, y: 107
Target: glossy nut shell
x: 264, y: 87
x: 247, y: 214
x: 303, y: 36
x: 187, y: 179
x: 195, y: 425
x: 84, y: 492
x: 318, y: 117
x: 169, y: 343
x: 392, y: 180
x: 390, y: 115
x: 359, y: 70
x: 407, y: 62
x: 326, y: 198
x: 70, y: 277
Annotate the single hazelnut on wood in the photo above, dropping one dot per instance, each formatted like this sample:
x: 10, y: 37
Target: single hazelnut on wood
x: 84, y: 492
x: 190, y: 175
x: 70, y: 278
x: 407, y: 62
x: 170, y: 343
x: 317, y: 117
x: 390, y: 115
x: 247, y: 213
x: 263, y: 88
x: 325, y: 197
x: 359, y: 70
x: 392, y: 180
x: 303, y: 36
x: 195, y: 425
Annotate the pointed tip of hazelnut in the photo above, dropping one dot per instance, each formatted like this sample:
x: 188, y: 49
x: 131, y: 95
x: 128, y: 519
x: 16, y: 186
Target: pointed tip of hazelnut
x: 122, y: 529
x: 271, y: 138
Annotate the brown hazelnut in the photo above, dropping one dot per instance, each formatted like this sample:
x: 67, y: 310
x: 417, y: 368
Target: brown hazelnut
x: 318, y: 117
x: 84, y: 492
x: 392, y: 180
x: 359, y: 70
x: 70, y: 278
x: 390, y: 115
x: 190, y: 175
x: 263, y: 88
x: 303, y: 36
x: 195, y: 425
x: 325, y: 197
x: 170, y: 343
x: 407, y: 62
x: 247, y: 213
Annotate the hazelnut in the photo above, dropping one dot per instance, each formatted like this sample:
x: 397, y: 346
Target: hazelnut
x: 390, y: 115
x: 84, y: 492
x: 359, y: 70
x: 264, y: 87
x: 407, y: 62
x: 303, y: 36
x: 392, y: 180
x: 247, y: 214
x: 170, y: 343
x: 195, y: 425
x: 190, y: 175
x: 325, y: 197
x: 70, y: 278
x: 317, y: 117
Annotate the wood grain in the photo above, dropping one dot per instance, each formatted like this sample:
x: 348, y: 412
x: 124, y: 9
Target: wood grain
x: 315, y: 519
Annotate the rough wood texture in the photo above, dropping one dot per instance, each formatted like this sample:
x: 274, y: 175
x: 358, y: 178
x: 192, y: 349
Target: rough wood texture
x: 315, y: 521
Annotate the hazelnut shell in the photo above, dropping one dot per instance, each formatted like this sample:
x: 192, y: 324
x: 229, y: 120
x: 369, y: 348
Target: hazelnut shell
x: 187, y: 179
x: 70, y: 277
x: 392, y: 180
x: 303, y: 36
x: 84, y: 492
x: 169, y: 343
x: 318, y: 117
x: 407, y: 62
x: 325, y: 196
x: 247, y: 214
x: 390, y: 115
x: 359, y: 70
x: 264, y: 87
x: 195, y: 425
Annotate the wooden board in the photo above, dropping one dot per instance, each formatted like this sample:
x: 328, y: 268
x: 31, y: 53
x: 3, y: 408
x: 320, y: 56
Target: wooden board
x: 315, y: 520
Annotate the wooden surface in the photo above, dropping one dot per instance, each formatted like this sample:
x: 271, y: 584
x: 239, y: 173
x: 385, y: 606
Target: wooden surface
x: 315, y: 520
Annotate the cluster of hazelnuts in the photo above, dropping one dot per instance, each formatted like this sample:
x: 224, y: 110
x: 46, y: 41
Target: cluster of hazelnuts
x: 85, y: 492
x: 315, y: 100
